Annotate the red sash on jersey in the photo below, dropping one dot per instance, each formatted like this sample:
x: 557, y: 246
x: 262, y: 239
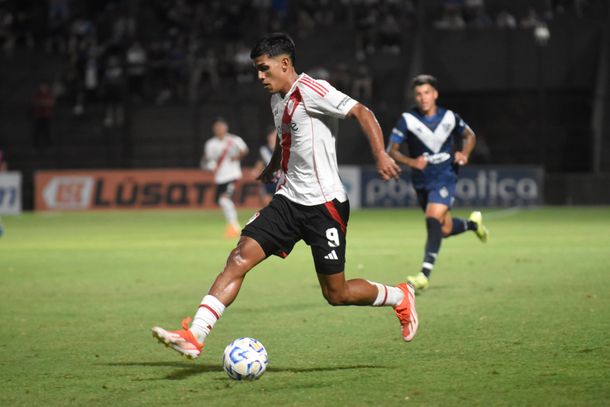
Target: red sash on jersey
x: 291, y: 106
x: 223, y: 155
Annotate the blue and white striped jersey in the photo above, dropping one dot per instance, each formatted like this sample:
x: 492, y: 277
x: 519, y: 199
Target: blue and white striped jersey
x: 434, y: 137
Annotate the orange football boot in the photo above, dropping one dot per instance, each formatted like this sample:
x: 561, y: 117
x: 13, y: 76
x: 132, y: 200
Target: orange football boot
x: 182, y: 341
x: 406, y: 313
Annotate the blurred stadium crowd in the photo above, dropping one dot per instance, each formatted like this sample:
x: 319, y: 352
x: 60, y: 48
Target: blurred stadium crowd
x: 162, y: 50
x: 461, y: 14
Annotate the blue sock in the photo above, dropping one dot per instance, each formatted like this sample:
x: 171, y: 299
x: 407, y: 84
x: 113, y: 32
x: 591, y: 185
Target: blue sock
x: 433, y: 245
x: 459, y: 226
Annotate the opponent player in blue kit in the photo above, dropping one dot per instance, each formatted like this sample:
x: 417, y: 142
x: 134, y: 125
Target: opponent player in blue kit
x: 432, y: 135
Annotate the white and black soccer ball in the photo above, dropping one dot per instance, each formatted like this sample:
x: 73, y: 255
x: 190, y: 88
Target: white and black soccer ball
x: 245, y: 359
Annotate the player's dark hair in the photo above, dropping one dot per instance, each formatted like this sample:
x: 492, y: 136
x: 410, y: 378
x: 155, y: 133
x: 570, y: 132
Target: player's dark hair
x: 219, y: 119
x: 424, y: 80
x: 274, y: 44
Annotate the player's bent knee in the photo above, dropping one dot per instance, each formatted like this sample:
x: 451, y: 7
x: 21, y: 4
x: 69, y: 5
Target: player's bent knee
x: 335, y: 298
x: 237, y: 264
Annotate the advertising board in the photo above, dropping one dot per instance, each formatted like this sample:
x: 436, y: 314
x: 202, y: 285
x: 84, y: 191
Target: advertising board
x: 136, y: 189
x: 498, y: 186
x: 10, y: 193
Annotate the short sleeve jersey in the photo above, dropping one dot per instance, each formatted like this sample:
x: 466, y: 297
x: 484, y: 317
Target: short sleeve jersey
x: 306, y: 119
x: 219, y: 154
x: 434, y: 137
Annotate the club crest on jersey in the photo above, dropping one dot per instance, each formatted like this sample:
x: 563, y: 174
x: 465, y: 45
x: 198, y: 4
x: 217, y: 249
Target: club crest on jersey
x: 443, y: 192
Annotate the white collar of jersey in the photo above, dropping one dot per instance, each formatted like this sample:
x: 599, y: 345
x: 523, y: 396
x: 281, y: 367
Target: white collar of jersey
x: 434, y: 140
x: 293, y: 87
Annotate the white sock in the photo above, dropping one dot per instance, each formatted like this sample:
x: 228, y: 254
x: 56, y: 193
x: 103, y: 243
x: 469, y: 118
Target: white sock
x: 228, y: 208
x: 387, y: 295
x: 206, y: 316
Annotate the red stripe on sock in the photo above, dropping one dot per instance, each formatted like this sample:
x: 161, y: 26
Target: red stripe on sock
x: 210, y: 309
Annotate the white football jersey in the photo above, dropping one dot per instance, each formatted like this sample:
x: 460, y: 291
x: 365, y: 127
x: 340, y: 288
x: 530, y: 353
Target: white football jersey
x: 223, y: 151
x: 306, y: 119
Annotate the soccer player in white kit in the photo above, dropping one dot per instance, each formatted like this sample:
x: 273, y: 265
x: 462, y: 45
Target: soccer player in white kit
x: 222, y: 154
x: 310, y: 203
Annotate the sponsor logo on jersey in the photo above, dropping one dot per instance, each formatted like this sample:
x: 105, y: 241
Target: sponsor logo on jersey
x: 437, y: 158
x: 343, y: 102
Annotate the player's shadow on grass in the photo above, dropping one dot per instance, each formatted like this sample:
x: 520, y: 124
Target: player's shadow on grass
x: 189, y: 369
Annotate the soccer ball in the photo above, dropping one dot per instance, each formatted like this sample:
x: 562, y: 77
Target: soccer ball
x: 245, y: 359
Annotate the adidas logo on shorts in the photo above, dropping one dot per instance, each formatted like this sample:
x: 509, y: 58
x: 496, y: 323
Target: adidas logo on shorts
x: 331, y: 256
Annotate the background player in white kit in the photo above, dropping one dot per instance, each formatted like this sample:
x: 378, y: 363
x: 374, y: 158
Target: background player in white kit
x: 310, y: 203
x: 221, y: 155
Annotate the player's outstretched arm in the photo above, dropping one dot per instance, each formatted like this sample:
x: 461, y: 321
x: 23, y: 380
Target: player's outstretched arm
x: 386, y: 167
x: 470, y: 140
x: 266, y: 175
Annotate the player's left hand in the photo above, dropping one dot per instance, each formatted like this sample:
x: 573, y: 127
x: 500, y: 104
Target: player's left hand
x: 460, y: 158
x: 387, y: 167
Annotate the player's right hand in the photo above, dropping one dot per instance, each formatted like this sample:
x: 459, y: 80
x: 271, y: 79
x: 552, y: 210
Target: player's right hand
x: 420, y: 163
x: 387, y: 167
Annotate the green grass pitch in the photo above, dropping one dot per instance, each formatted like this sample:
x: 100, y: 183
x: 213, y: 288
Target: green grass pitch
x: 521, y: 320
